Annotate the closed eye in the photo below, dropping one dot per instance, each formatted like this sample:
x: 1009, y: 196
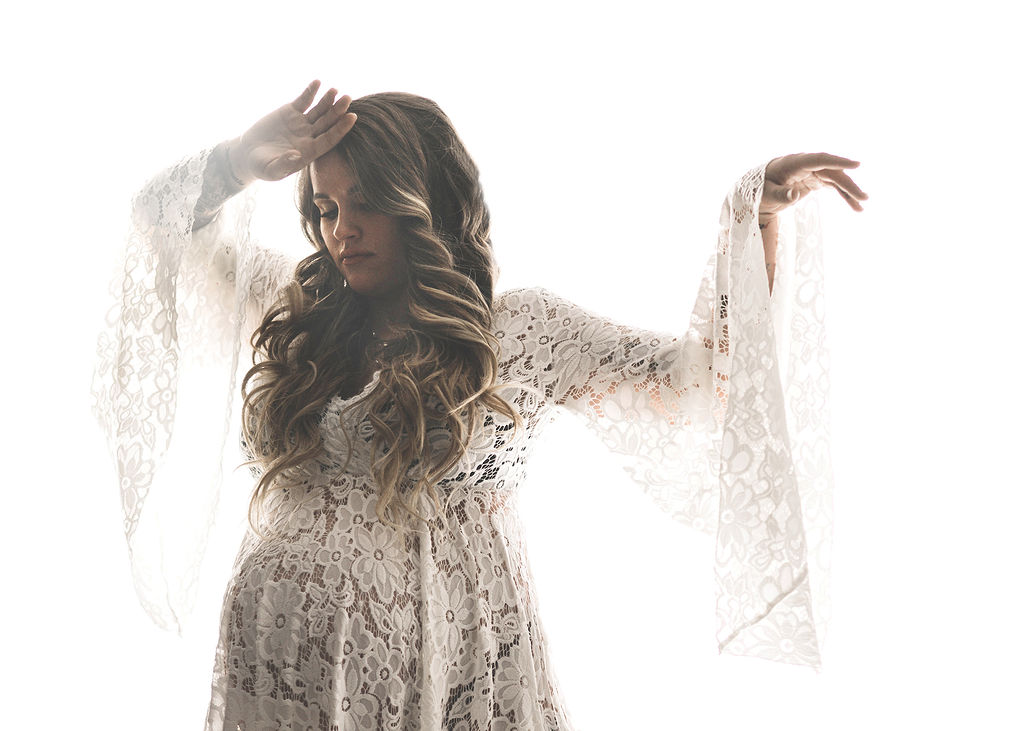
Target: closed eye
x: 334, y: 212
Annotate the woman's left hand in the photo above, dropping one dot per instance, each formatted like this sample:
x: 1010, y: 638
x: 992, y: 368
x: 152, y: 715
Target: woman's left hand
x: 788, y: 179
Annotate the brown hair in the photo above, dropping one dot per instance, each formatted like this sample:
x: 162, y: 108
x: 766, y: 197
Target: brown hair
x: 411, y: 164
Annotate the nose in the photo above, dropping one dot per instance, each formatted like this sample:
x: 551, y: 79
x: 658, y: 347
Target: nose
x: 344, y: 229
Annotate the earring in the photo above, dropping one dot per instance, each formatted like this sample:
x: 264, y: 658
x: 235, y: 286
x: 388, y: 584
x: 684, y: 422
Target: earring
x: 344, y: 282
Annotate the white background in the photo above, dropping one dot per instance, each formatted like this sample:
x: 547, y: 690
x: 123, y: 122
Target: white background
x: 598, y: 129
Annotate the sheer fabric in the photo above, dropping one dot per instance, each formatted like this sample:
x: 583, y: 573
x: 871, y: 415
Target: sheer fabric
x: 339, y: 619
x: 165, y: 384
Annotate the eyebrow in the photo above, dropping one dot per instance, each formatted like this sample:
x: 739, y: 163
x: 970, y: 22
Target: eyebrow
x: 324, y: 196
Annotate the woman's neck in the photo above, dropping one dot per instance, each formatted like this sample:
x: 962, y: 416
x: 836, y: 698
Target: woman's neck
x: 385, y: 316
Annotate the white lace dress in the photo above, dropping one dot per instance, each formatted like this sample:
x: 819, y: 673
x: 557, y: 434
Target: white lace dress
x: 338, y: 622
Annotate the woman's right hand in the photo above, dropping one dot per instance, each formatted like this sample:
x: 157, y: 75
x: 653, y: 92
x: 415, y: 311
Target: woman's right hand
x: 289, y: 138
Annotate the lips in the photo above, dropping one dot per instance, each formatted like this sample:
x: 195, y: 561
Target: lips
x: 357, y: 255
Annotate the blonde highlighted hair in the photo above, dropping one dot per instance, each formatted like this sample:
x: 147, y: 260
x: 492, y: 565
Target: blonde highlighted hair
x: 313, y: 342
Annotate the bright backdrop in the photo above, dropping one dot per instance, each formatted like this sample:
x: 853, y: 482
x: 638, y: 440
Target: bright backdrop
x: 598, y: 128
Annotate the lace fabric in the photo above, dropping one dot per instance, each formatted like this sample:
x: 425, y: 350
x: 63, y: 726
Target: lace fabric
x: 724, y: 426
x: 164, y: 387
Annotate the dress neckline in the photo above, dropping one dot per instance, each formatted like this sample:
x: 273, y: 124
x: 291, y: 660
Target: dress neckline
x: 374, y: 377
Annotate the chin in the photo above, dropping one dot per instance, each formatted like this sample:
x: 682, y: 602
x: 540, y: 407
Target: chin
x: 374, y: 289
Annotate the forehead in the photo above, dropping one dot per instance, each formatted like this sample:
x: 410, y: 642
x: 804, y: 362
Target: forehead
x: 330, y: 174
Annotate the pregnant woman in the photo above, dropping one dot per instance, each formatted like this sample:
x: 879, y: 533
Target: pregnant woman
x: 392, y: 405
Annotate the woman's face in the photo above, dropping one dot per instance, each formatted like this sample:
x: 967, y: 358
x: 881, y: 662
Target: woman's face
x: 364, y: 244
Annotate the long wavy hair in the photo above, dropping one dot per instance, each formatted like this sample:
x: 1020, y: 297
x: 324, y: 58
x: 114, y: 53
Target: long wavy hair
x: 313, y: 342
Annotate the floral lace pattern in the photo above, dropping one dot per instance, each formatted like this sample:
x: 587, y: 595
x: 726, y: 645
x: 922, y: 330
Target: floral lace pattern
x: 184, y: 303
x: 338, y: 621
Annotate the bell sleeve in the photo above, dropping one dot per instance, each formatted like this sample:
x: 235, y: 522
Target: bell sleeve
x: 726, y: 426
x: 186, y: 296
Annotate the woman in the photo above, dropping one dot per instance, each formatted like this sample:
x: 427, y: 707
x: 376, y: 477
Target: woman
x: 391, y: 407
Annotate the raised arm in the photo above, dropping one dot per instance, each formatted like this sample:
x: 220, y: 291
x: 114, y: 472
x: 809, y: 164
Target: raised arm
x: 724, y: 424
x: 219, y: 185
x: 190, y: 283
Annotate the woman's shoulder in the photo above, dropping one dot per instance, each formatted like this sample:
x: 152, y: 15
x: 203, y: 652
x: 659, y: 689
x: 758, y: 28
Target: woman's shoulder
x: 536, y: 304
x: 519, y: 318
x: 524, y: 301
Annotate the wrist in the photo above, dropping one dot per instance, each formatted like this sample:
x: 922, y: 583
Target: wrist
x: 235, y: 166
x: 769, y: 232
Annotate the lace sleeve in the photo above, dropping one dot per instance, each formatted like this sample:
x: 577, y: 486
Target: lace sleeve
x: 185, y: 299
x: 218, y: 187
x: 725, y: 426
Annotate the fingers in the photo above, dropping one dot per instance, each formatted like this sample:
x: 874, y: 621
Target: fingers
x: 775, y: 197
x: 303, y: 100
x: 792, y: 177
x: 791, y: 167
x: 822, y: 161
x: 330, y: 116
x: 332, y: 136
x: 322, y: 107
x: 846, y: 196
x: 843, y: 183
